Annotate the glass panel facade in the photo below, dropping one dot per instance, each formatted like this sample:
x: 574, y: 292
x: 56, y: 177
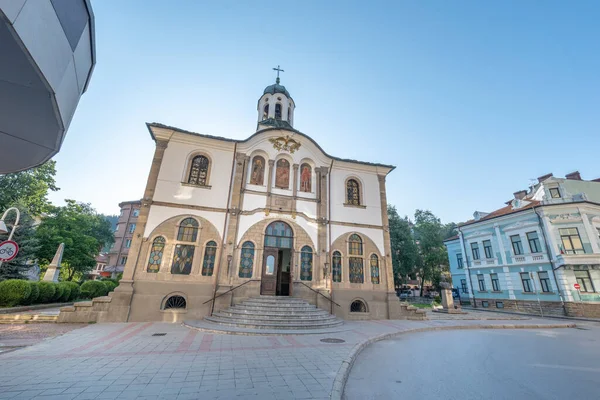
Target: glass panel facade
x: 210, y: 252
x: 356, y: 270
x: 374, y: 269
x: 156, y: 253
x: 306, y: 264
x: 336, y: 263
x: 246, y: 260
x: 182, y: 259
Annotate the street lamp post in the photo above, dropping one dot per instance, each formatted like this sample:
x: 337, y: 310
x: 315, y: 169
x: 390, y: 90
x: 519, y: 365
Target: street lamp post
x: 4, y: 229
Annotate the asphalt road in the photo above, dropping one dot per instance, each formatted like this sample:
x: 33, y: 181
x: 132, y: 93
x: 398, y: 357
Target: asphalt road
x: 481, y: 364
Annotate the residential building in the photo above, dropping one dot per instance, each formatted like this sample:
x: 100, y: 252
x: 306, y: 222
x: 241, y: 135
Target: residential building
x: 540, y: 253
x: 126, y: 224
x: 100, y: 268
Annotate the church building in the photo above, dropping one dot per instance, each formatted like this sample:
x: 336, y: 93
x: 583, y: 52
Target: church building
x: 270, y: 215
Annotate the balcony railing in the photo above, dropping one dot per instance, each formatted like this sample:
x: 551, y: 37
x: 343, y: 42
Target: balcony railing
x: 529, y: 258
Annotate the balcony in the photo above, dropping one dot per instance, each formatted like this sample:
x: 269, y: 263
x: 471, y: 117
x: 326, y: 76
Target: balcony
x: 488, y: 262
x: 530, y: 258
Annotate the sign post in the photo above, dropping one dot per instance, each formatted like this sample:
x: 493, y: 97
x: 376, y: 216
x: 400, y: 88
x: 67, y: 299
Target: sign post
x: 536, y: 293
x: 577, y: 287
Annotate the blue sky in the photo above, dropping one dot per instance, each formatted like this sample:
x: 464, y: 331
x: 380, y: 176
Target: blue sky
x: 469, y: 99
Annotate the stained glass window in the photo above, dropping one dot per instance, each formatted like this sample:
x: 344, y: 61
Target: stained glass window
x: 188, y: 230
x: 375, y: 269
x: 305, y: 178
x: 279, y: 234
x: 277, y: 111
x: 257, y: 175
x: 306, y: 263
x: 355, y: 245
x: 182, y: 259
x: 282, y: 174
x: 208, y: 265
x: 337, y: 266
x: 156, y: 253
x: 356, y: 270
x: 352, y: 192
x: 247, y: 260
x: 198, y: 171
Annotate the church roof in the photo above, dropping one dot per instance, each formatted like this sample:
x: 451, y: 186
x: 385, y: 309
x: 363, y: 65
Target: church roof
x: 151, y: 125
x: 276, y: 123
x: 276, y: 88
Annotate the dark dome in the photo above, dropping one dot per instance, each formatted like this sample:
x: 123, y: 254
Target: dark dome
x: 276, y: 88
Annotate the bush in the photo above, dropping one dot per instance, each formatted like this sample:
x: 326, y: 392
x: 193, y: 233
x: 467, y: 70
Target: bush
x: 91, y: 289
x: 74, y: 290
x: 66, y: 292
x: 60, y: 290
x: 110, y: 285
x: 14, y: 292
x: 35, y: 293
x: 437, y: 299
x: 47, y: 291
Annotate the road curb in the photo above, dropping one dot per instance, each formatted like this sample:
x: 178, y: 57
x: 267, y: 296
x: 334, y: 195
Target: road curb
x: 33, y: 307
x: 341, y: 377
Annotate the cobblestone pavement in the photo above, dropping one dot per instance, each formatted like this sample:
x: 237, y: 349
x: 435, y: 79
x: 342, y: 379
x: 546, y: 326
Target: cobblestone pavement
x: 17, y: 335
x: 128, y: 361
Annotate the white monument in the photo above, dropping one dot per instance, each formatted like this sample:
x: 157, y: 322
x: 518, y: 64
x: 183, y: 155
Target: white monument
x: 53, y: 270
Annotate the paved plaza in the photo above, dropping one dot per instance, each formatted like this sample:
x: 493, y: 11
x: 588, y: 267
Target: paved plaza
x: 170, y: 361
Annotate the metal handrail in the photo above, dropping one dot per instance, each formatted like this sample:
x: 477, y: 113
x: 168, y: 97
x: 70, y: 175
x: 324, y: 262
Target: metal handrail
x: 319, y: 293
x: 230, y: 290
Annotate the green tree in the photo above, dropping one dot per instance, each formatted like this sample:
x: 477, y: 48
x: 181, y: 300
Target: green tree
x: 429, y: 233
x: 29, y: 188
x: 83, y: 231
x: 28, y: 245
x: 405, y: 254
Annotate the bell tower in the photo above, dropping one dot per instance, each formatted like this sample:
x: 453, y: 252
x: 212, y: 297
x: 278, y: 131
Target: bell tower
x: 276, y: 106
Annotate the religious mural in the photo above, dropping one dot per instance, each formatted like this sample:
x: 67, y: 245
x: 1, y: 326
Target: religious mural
x: 258, y: 171
x: 282, y: 174
x: 305, y: 178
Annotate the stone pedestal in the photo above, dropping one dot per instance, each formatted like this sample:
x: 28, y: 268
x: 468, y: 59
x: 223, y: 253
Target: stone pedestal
x: 447, y: 300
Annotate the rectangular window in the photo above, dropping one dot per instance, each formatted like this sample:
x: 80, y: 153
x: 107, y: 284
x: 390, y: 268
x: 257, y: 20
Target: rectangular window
x: 499, y: 304
x: 475, y: 250
x: 526, y: 282
x: 555, y: 193
x: 485, y: 304
x: 584, y: 280
x: 534, y: 242
x: 544, y: 281
x: 487, y: 248
x: 123, y: 260
x: 571, y: 241
x: 463, y: 286
x: 495, y: 282
x: 516, y: 244
x: 459, y: 260
x: 136, y: 212
x: 131, y: 228
x: 481, y: 283
x: 128, y: 243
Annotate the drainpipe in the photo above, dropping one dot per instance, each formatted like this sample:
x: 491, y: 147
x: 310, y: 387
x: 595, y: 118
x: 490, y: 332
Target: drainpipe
x: 462, y: 241
x: 551, y: 259
x: 223, y: 241
x: 329, y: 226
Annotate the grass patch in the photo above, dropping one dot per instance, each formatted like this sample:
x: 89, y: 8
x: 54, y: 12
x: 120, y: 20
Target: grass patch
x: 421, y: 305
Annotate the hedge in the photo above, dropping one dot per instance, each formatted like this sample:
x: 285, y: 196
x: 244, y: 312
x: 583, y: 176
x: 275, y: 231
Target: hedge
x: 74, y: 293
x: 35, y: 293
x: 14, y: 292
x: 110, y: 285
x: 66, y: 292
x: 47, y: 291
x: 60, y: 290
x: 91, y: 289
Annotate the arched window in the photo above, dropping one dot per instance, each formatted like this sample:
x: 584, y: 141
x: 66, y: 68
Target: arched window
x: 210, y: 252
x: 257, y: 174
x: 277, y: 111
x: 247, y: 260
x: 156, y: 253
x: 282, y: 174
x: 198, y: 171
x: 279, y: 234
x: 306, y: 263
x: 305, y: 178
x: 355, y: 261
x: 337, y: 266
x: 188, y: 230
x: 175, y: 302
x: 265, y: 112
x: 289, y: 114
x: 352, y: 192
x: 358, y: 306
x: 182, y: 259
x: 374, y: 269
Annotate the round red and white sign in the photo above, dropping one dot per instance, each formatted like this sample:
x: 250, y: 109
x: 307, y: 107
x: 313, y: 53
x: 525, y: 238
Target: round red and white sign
x: 8, y: 250
x: 577, y: 286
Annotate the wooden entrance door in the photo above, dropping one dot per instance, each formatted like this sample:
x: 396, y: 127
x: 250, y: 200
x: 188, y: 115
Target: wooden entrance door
x: 268, y: 282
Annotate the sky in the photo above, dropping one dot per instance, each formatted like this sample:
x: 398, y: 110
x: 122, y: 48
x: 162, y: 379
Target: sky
x: 469, y: 99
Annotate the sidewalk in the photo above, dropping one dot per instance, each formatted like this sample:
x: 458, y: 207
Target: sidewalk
x: 125, y: 361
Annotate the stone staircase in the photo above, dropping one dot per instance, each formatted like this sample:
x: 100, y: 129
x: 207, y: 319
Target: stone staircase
x: 274, y: 313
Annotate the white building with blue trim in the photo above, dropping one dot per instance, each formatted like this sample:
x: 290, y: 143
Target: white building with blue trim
x: 533, y: 254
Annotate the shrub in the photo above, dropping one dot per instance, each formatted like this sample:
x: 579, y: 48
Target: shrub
x: 14, y: 292
x: 35, y: 293
x: 66, y: 292
x: 437, y: 299
x: 74, y: 293
x: 58, y: 292
x: 91, y: 289
x: 110, y: 285
x: 47, y: 291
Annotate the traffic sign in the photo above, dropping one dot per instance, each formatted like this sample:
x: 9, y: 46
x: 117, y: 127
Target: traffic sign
x: 577, y: 286
x: 8, y: 250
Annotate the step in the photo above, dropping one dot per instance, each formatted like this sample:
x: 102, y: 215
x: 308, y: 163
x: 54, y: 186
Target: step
x: 278, y: 298
x: 259, y: 309
x: 273, y: 325
x: 270, y: 303
x: 267, y: 318
x: 270, y: 313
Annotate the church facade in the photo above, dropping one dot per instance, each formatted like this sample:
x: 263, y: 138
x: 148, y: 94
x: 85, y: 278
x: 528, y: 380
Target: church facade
x: 271, y: 215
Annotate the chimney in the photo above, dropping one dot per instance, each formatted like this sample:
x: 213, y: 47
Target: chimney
x: 574, y: 176
x: 520, y: 195
x: 544, y: 177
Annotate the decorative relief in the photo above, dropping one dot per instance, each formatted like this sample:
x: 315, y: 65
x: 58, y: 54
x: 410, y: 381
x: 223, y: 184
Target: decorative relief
x: 564, y: 218
x: 285, y: 144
